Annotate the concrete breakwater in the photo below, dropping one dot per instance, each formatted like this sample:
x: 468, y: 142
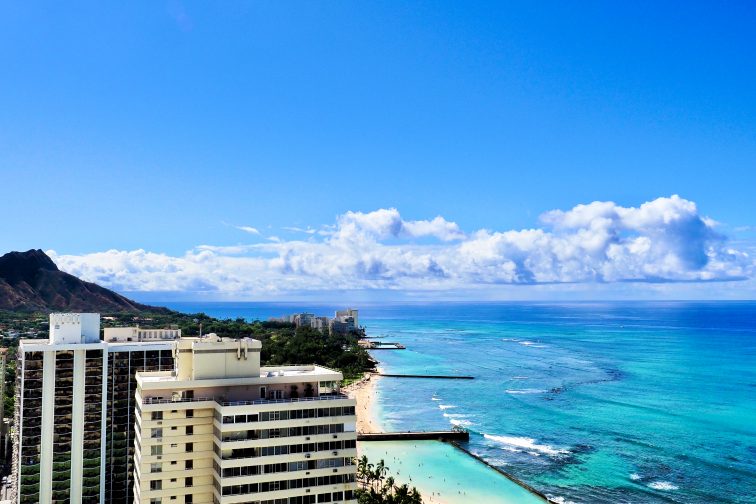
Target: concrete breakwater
x: 433, y: 377
x: 451, y: 436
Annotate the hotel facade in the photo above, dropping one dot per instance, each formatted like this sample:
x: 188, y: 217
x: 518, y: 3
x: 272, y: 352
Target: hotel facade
x: 221, y: 429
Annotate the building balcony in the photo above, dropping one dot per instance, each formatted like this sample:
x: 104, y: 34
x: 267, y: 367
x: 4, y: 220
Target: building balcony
x: 221, y: 401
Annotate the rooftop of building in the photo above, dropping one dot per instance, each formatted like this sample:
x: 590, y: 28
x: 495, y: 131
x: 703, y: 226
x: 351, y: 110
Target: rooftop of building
x: 311, y: 371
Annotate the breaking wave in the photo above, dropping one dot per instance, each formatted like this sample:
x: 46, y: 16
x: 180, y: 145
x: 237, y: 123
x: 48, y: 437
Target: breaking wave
x: 525, y: 444
x: 663, y: 485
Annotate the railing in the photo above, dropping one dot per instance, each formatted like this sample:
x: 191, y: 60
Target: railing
x: 223, y: 402
x: 160, y: 400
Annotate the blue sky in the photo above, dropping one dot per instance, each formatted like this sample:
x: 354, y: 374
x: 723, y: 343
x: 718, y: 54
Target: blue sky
x: 165, y: 127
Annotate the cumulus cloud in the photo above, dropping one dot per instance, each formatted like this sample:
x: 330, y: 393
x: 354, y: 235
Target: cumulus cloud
x: 387, y: 223
x: 661, y: 241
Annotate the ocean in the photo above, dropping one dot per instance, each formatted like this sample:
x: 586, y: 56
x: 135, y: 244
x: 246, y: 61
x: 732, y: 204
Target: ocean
x: 642, y: 402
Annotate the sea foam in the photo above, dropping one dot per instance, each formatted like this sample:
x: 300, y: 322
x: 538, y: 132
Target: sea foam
x: 455, y: 415
x: 515, y: 443
x: 446, y: 406
x: 560, y: 500
x: 663, y: 485
x: 524, y: 391
x: 460, y: 423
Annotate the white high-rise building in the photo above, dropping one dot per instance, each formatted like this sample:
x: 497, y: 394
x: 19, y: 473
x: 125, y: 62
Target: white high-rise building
x: 59, y: 453
x: 221, y: 429
x: 73, y: 440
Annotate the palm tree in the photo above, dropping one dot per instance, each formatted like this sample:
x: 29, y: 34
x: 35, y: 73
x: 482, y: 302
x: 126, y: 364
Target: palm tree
x: 379, y: 488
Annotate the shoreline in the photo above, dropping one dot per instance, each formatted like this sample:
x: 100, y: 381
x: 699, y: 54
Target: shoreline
x: 365, y: 392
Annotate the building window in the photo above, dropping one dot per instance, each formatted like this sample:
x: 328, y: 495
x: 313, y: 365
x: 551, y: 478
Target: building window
x: 156, y: 485
x: 190, y: 413
x: 188, y: 498
x: 189, y: 430
x: 156, y: 450
x: 157, y: 415
x: 189, y: 464
x: 189, y: 482
x: 156, y: 468
x: 190, y: 447
x: 156, y: 433
x: 155, y: 500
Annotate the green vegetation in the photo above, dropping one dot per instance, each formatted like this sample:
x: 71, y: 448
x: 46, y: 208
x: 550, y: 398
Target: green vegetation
x: 378, y: 488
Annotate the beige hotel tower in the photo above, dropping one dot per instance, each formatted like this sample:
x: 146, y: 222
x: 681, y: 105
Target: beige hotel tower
x: 221, y: 429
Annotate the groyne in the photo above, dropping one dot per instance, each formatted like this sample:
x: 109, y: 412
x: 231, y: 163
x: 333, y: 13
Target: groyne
x: 433, y: 377
x: 386, y: 346
x: 450, y: 436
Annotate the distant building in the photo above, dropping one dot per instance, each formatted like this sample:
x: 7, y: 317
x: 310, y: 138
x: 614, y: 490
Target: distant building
x: 344, y: 321
x: 320, y: 323
x: 303, y: 319
x: 349, y: 313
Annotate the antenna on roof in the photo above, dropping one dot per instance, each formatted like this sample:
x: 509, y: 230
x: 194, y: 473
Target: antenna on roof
x: 200, y: 330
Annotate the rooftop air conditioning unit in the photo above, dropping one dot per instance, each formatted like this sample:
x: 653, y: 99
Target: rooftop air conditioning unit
x: 307, y: 455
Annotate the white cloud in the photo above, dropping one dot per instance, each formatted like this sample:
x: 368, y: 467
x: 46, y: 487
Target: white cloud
x: 661, y: 241
x: 387, y: 223
x: 295, y: 229
x: 248, y: 229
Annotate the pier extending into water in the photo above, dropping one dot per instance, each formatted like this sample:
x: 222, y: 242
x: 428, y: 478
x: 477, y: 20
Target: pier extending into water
x: 453, y: 435
x: 389, y: 345
x: 433, y: 377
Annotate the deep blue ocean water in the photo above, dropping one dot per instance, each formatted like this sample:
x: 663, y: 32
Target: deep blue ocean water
x: 589, y: 402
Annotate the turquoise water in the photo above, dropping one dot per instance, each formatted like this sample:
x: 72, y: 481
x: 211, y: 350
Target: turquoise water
x: 589, y: 402
x: 444, y: 474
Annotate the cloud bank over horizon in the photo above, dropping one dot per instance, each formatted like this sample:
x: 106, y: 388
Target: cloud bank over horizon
x: 662, y: 241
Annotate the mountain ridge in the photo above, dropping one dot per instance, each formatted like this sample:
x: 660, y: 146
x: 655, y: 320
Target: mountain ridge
x: 31, y: 281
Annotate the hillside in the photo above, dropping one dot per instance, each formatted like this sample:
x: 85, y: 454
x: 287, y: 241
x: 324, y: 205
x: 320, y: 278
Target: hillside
x: 30, y: 281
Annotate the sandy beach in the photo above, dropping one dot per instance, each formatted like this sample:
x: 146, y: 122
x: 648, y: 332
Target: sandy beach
x: 365, y: 391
